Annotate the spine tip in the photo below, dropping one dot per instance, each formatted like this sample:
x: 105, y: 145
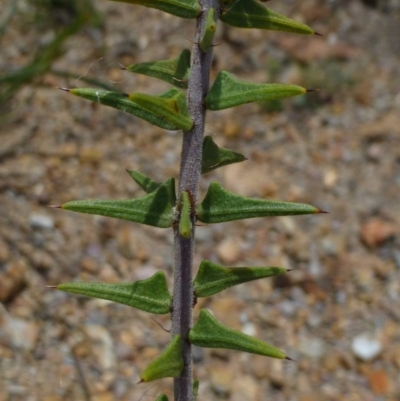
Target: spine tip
x: 63, y: 89
x: 55, y: 206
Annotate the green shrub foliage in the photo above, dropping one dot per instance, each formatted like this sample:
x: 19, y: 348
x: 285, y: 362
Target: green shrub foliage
x: 166, y: 206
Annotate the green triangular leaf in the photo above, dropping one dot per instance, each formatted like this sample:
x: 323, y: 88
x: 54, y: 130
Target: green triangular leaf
x: 173, y: 110
x: 150, y: 295
x: 220, y: 205
x: 146, y: 183
x: 215, y: 157
x: 228, y: 91
x: 212, y: 278
x: 180, y: 8
x: 122, y: 102
x: 251, y: 14
x: 209, y: 333
x: 185, y: 222
x: 168, y: 364
x: 174, y: 71
x: 154, y: 209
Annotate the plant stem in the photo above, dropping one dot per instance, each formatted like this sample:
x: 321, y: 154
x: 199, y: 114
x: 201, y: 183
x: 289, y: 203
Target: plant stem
x: 189, y: 181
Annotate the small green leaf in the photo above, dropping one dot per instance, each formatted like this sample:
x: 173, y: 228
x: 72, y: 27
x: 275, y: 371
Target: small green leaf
x: 154, y: 209
x: 212, y: 278
x: 150, y: 295
x: 251, y: 14
x: 209, y: 29
x: 122, y: 102
x: 220, y: 205
x: 162, y: 397
x: 196, y: 384
x: 168, y: 364
x: 228, y: 91
x: 215, y: 157
x: 173, y: 110
x: 146, y: 183
x: 179, y: 8
x: 185, y: 222
x: 209, y: 333
x: 174, y: 71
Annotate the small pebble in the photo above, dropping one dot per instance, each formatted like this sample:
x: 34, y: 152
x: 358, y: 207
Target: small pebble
x: 245, y: 388
x: 23, y: 334
x: 221, y: 378
x: 102, y: 345
x: 312, y: 347
x: 228, y: 250
x: 376, y: 231
x: 288, y: 308
x: 366, y: 346
x: 41, y: 221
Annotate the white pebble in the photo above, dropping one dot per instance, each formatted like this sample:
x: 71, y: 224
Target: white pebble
x: 312, y: 347
x: 366, y: 346
x: 41, y: 221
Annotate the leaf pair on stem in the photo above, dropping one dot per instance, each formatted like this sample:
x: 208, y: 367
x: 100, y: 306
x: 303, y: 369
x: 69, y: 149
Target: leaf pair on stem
x: 162, y: 206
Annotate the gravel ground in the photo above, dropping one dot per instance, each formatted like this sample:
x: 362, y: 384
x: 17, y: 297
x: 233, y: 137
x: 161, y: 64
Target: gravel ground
x: 336, y: 314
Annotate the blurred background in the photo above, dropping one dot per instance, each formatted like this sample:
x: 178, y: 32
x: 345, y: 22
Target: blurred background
x: 337, y: 313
